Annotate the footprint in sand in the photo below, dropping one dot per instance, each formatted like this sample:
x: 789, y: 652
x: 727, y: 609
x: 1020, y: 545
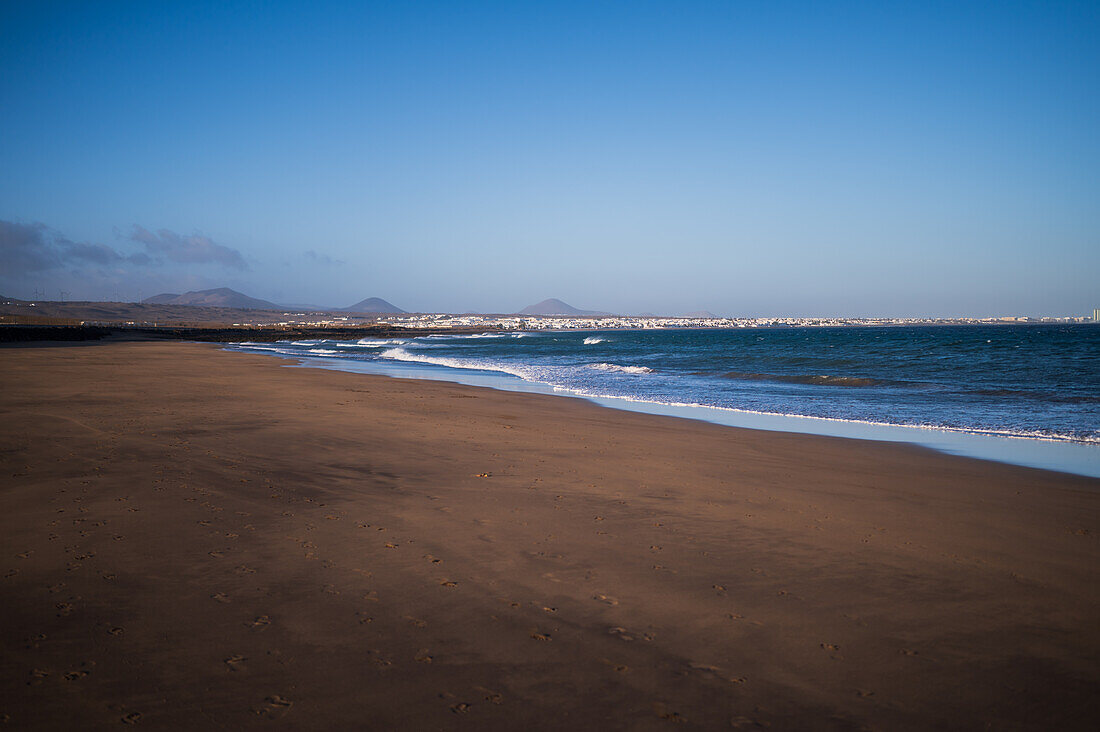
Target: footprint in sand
x: 75, y: 675
x: 448, y: 583
x: 274, y: 707
x: 116, y: 630
x: 663, y: 711
x: 422, y: 656
x: 131, y: 718
x: 64, y: 608
x: 259, y: 623
x: 541, y: 636
x: 493, y: 697
x: 235, y: 663
x: 716, y: 672
x: 220, y: 597
x: 38, y: 675
x: 605, y: 599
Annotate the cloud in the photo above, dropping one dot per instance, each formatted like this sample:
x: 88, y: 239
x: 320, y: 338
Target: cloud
x: 322, y: 259
x: 29, y: 248
x: 26, y: 248
x: 193, y: 249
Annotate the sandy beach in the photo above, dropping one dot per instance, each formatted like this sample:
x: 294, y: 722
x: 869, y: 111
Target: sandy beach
x: 193, y: 538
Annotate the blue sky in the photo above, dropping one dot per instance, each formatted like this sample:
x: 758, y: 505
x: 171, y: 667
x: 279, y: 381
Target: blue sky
x: 751, y: 158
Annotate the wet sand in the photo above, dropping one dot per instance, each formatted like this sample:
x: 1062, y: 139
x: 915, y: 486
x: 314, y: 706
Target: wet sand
x: 191, y: 538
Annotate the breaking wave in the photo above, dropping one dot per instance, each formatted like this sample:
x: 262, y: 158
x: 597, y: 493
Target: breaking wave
x: 400, y: 354
x: 593, y: 340
x: 620, y: 369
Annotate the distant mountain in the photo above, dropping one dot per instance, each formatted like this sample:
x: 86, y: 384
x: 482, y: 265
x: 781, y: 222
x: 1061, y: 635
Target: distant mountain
x: 163, y: 298
x: 373, y: 305
x: 221, y: 297
x: 554, y: 306
x: 699, y: 314
x: 305, y: 306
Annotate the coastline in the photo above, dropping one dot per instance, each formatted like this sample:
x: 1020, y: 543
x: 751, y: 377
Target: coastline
x: 1044, y: 453
x: 324, y: 546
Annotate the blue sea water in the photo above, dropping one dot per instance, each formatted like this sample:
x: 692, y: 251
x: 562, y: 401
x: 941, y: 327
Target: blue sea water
x: 1037, y: 383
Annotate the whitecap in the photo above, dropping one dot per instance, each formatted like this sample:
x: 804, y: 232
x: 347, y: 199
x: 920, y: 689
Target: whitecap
x: 620, y: 369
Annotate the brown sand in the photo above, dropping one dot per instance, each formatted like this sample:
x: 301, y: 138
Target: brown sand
x: 193, y: 538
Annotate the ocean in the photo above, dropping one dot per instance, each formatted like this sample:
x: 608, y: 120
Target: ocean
x: 1034, y: 383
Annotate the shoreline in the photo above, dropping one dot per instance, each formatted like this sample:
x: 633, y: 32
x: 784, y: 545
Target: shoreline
x: 200, y: 537
x: 1057, y: 455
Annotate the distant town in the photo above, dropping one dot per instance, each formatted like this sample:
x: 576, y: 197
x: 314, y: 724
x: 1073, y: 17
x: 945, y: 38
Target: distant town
x: 225, y: 308
x: 558, y: 322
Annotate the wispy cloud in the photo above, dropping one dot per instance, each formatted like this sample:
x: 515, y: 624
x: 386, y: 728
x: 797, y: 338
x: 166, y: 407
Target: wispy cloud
x: 30, y: 248
x: 318, y: 258
x: 192, y: 249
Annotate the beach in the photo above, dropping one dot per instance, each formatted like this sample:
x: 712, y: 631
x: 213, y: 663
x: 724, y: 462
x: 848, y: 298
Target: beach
x: 194, y: 538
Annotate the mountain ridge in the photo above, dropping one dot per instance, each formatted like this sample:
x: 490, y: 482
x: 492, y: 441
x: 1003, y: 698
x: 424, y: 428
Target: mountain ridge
x: 217, y: 297
x: 554, y: 306
x: 373, y: 305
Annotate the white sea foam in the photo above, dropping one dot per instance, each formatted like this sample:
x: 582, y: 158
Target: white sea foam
x: 593, y: 340
x: 400, y: 354
x: 620, y: 369
x: 380, y: 342
x: 463, y: 336
x: 324, y: 351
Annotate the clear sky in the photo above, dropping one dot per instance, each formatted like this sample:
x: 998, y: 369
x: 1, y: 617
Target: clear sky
x: 756, y: 158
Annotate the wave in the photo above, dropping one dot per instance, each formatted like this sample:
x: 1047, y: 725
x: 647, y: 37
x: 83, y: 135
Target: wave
x: 379, y: 342
x: 324, y: 351
x: 400, y: 354
x: 593, y: 340
x: 620, y: 369
x: 814, y: 379
x: 462, y: 336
